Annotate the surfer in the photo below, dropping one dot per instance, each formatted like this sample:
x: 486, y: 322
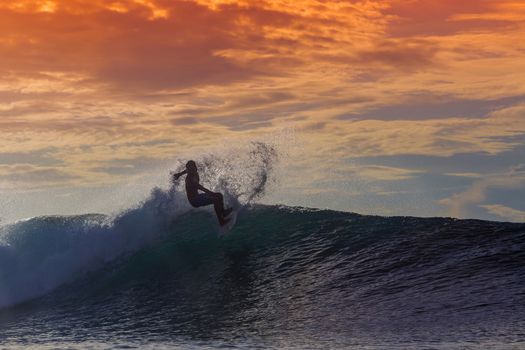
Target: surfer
x: 197, y: 199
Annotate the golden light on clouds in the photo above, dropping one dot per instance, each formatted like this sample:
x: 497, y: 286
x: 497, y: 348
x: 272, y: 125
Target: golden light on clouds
x: 86, y: 82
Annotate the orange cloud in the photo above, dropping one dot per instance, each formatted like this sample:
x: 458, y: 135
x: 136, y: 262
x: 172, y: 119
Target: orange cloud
x: 88, y: 73
x: 162, y: 45
x: 446, y: 17
x: 173, y: 44
x: 121, y: 48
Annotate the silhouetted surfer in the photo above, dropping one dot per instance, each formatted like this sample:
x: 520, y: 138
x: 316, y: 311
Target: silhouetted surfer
x: 197, y: 199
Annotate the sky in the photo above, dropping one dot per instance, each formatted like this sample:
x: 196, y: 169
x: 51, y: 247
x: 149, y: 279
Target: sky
x: 391, y: 107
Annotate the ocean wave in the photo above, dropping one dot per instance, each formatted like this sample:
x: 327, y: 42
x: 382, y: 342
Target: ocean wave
x: 40, y: 254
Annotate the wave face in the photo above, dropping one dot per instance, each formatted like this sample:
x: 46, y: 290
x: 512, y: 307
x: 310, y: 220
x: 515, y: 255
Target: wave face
x: 284, y: 277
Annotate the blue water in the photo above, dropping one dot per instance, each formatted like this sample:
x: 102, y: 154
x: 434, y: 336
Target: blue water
x: 158, y: 276
x: 284, y: 278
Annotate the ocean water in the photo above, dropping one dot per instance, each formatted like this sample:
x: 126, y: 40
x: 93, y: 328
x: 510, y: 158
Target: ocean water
x: 290, y: 278
x: 157, y: 276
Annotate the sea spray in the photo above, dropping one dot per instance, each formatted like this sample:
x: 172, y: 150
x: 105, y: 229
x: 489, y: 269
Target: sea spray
x: 243, y: 173
x: 39, y: 254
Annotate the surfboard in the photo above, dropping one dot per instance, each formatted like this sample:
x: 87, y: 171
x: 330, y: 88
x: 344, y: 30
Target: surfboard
x: 224, y: 229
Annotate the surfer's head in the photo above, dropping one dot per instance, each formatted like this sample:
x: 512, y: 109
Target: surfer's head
x: 191, y: 166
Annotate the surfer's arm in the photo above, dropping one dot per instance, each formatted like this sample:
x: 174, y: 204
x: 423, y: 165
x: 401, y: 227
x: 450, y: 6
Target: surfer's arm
x: 177, y: 175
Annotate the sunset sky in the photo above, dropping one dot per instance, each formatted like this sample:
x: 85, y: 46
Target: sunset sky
x: 394, y: 107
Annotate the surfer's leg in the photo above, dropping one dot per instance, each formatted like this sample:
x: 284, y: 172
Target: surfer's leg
x: 225, y: 212
x: 220, y: 213
x: 202, y: 200
x: 218, y: 205
x: 211, y: 198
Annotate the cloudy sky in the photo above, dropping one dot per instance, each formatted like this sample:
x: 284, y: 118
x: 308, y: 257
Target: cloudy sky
x: 391, y: 107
